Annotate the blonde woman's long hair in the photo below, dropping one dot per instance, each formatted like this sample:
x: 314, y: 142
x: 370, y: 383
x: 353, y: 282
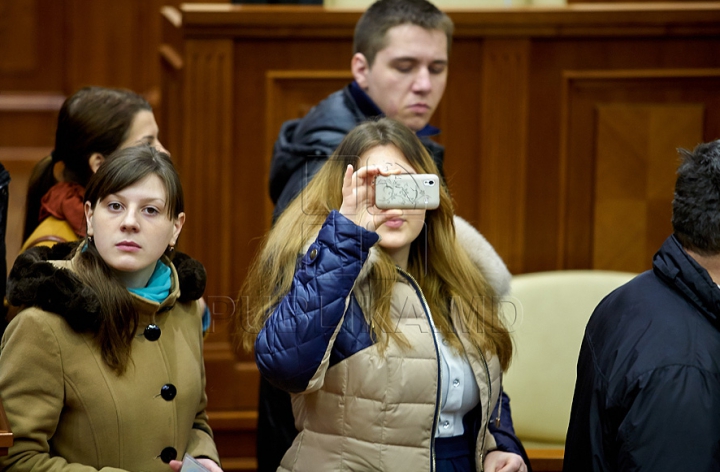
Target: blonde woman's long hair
x: 442, y: 268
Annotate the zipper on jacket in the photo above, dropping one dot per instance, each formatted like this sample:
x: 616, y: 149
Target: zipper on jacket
x: 438, y: 394
x: 487, y: 410
x: 497, y: 418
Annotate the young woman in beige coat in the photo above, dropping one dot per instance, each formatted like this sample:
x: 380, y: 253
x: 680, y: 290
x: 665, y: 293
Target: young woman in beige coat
x: 381, y: 323
x: 103, y: 368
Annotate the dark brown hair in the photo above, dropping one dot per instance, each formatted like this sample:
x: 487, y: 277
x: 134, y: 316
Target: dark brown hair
x: 118, y: 315
x: 93, y: 119
x: 371, y: 30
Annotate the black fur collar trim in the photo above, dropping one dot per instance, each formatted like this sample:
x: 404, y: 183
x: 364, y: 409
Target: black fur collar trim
x: 34, y: 281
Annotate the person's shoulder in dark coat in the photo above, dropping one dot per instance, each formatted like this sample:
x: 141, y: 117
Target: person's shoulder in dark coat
x: 648, y: 390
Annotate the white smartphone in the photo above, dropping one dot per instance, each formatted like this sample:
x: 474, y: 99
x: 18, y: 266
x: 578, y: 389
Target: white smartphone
x: 411, y: 191
x: 190, y: 464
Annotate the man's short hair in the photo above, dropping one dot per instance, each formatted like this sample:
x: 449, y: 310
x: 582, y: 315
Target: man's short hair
x: 371, y: 29
x: 696, y: 206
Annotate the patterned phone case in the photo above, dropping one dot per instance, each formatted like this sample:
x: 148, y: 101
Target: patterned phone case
x: 410, y: 191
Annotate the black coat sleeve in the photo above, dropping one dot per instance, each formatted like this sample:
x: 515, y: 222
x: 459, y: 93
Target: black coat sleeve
x: 672, y: 423
x: 665, y: 420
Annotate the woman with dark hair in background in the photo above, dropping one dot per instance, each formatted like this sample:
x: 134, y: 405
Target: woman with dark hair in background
x: 102, y: 369
x: 92, y: 124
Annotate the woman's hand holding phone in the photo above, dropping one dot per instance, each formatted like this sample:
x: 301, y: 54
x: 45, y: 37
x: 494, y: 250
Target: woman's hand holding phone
x: 359, y: 197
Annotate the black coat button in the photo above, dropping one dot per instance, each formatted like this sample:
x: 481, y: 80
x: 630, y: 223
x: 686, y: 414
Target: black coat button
x: 168, y: 392
x: 168, y: 454
x: 152, y: 332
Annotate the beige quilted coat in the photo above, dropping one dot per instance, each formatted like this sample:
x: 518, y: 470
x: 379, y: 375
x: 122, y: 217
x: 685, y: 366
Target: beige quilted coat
x: 376, y: 411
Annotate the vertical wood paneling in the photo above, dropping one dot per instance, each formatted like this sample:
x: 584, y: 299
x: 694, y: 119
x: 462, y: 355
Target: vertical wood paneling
x: 19, y: 162
x: 205, y: 162
x: 32, y: 46
x: 459, y: 130
x: 18, y: 36
x: 501, y: 183
x: 290, y: 95
x: 253, y: 137
x: 634, y: 179
x: 113, y: 44
x: 585, y: 93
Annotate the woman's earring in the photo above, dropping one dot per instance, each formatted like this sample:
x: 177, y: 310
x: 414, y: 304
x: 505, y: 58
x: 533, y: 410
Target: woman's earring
x: 171, y: 248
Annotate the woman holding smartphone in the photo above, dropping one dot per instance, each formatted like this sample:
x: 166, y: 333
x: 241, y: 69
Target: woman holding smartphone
x: 102, y: 369
x: 381, y: 323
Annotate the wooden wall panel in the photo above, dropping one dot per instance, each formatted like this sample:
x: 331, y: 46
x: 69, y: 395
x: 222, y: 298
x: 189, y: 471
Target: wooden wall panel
x: 205, y: 159
x: 31, y: 84
x: 212, y: 179
x: 585, y: 91
x: 18, y: 27
x: 634, y: 179
x: 27, y: 133
x: 273, y: 74
x: 31, y: 33
x: 49, y: 49
x: 553, y: 124
x: 501, y: 184
x: 291, y: 94
x: 261, y: 63
x: 205, y: 165
x: 19, y: 162
x: 38, y: 128
x: 114, y: 44
x: 460, y: 133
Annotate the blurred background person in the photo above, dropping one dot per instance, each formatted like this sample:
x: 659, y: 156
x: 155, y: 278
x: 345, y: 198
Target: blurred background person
x: 92, y: 123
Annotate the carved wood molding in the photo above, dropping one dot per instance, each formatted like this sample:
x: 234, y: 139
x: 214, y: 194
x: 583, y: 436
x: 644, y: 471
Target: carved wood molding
x: 14, y: 102
x: 656, y: 19
x: 171, y: 56
x: 28, y: 154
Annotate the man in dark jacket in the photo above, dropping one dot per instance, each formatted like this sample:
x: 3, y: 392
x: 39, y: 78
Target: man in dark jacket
x: 647, y: 396
x: 400, y: 69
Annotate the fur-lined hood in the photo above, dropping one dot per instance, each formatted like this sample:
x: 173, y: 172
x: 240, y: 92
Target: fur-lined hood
x: 484, y: 256
x: 38, y: 279
x: 478, y: 248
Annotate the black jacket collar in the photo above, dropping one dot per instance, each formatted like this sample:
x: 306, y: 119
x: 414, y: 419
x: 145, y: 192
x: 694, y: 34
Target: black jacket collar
x: 679, y: 270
